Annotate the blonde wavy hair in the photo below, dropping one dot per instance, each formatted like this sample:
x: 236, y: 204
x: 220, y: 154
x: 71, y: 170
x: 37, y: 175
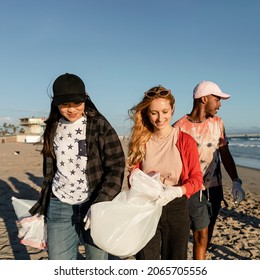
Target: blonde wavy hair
x: 142, y: 128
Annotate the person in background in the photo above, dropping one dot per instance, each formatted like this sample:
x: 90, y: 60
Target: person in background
x: 83, y: 163
x: 157, y: 147
x: 209, y: 132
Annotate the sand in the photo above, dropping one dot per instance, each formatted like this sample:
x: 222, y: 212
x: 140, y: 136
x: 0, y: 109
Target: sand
x: 236, y: 235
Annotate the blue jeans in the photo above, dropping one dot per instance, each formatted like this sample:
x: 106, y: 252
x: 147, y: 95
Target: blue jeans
x: 65, y: 231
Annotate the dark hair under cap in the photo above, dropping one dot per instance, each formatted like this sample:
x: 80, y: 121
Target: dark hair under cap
x: 68, y: 88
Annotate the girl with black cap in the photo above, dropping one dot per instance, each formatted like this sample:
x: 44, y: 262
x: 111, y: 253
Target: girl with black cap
x: 83, y: 164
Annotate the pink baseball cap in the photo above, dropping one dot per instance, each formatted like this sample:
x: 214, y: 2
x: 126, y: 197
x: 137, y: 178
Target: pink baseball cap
x: 205, y: 88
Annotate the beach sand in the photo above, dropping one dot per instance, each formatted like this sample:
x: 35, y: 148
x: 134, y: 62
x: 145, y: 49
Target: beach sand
x: 236, y: 235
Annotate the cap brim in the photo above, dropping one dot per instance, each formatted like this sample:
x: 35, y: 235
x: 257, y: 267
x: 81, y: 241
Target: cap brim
x: 61, y: 99
x: 223, y: 95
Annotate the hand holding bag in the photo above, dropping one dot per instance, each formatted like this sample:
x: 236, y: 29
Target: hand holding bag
x: 123, y: 226
x: 33, y: 231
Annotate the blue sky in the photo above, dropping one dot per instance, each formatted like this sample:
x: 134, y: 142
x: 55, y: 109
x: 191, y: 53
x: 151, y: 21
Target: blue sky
x: 121, y: 48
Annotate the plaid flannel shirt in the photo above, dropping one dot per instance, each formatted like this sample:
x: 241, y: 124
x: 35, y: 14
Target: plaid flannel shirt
x: 105, y: 165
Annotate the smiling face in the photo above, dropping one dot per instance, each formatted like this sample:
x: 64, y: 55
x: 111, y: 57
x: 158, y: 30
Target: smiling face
x: 160, y: 113
x: 72, y: 111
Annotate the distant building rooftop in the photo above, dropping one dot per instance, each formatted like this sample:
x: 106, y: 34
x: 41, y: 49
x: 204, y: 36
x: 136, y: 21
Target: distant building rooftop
x: 33, y: 126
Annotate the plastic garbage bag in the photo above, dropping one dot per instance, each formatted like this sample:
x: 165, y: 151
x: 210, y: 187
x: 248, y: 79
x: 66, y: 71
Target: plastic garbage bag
x: 22, y: 207
x: 33, y: 231
x: 144, y: 188
x: 123, y: 226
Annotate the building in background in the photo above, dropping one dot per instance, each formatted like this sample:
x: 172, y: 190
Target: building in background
x: 32, y: 131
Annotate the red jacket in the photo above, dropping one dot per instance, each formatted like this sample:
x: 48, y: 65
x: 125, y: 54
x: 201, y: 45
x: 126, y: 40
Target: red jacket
x: 191, y: 175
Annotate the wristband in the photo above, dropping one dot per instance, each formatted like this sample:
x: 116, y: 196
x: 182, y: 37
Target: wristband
x: 238, y: 180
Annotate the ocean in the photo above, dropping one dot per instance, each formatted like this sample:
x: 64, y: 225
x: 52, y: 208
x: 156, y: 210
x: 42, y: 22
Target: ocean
x: 245, y: 150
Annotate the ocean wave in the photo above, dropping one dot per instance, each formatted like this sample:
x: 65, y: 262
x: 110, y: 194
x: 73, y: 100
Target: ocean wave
x: 245, y: 150
x: 245, y: 145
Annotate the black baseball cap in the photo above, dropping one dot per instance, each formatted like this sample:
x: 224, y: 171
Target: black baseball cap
x: 68, y: 88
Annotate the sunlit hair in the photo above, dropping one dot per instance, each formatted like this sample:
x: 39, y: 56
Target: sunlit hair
x: 52, y: 123
x: 142, y: 128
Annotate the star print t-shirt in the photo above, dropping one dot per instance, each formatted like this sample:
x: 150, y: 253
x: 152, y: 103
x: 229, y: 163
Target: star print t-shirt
x: 70, y: 181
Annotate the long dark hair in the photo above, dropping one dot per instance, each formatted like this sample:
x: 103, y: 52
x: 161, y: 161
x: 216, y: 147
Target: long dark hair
x: 52, y: 123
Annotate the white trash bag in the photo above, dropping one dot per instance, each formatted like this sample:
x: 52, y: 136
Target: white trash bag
x: 33, y: 231
x: 123, y: 226
x: 22, y: 207
x: 144, y: 188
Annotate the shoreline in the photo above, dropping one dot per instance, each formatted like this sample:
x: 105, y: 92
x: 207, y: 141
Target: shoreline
x: 236, y: 235
x: 247, y: 163
x: 246, y: 167
x: 249, y: 176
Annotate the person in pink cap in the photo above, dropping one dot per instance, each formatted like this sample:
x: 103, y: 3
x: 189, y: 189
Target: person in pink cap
x: 209, y: 132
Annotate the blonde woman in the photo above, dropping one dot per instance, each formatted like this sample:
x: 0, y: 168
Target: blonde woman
x: 157, y: 147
